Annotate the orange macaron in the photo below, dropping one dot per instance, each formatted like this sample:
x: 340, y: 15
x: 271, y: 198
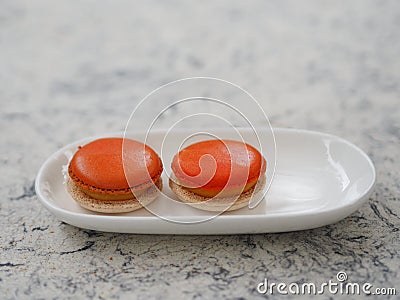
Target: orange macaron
x: 107, y: 175
x: 209, y: 173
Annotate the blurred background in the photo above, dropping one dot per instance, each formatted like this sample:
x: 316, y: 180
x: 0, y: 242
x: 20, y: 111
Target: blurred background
x: 305, y: 62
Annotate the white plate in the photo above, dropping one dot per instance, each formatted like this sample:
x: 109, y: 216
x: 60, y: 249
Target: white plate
x: 319, y: 180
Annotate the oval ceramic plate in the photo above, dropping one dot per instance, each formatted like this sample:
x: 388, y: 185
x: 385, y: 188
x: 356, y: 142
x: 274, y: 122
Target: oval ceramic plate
x: 319, y: 180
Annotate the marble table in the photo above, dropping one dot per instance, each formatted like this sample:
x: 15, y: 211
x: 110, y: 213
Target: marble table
x: 70, y: 69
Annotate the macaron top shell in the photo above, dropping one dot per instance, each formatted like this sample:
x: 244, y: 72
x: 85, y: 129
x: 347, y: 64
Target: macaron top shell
x: 101, y: 164
x: 218, y: 164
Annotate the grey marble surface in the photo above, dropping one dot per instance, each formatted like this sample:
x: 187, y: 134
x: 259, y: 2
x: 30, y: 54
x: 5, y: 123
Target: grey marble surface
x: 71, y: 69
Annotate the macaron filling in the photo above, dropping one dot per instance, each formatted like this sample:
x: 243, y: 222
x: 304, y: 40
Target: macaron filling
x: 222, y: 192
x: 113, y: 194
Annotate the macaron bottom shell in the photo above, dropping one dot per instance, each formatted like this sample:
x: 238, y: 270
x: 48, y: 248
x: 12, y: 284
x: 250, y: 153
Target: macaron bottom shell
x: 217, y: 204
x: 114, y: 206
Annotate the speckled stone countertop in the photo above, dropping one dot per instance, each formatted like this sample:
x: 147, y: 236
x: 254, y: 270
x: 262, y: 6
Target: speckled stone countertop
x: 71, y: 69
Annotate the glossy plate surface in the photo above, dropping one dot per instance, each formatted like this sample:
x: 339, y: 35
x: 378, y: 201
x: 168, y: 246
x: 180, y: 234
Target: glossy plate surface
x: 319, y: 180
